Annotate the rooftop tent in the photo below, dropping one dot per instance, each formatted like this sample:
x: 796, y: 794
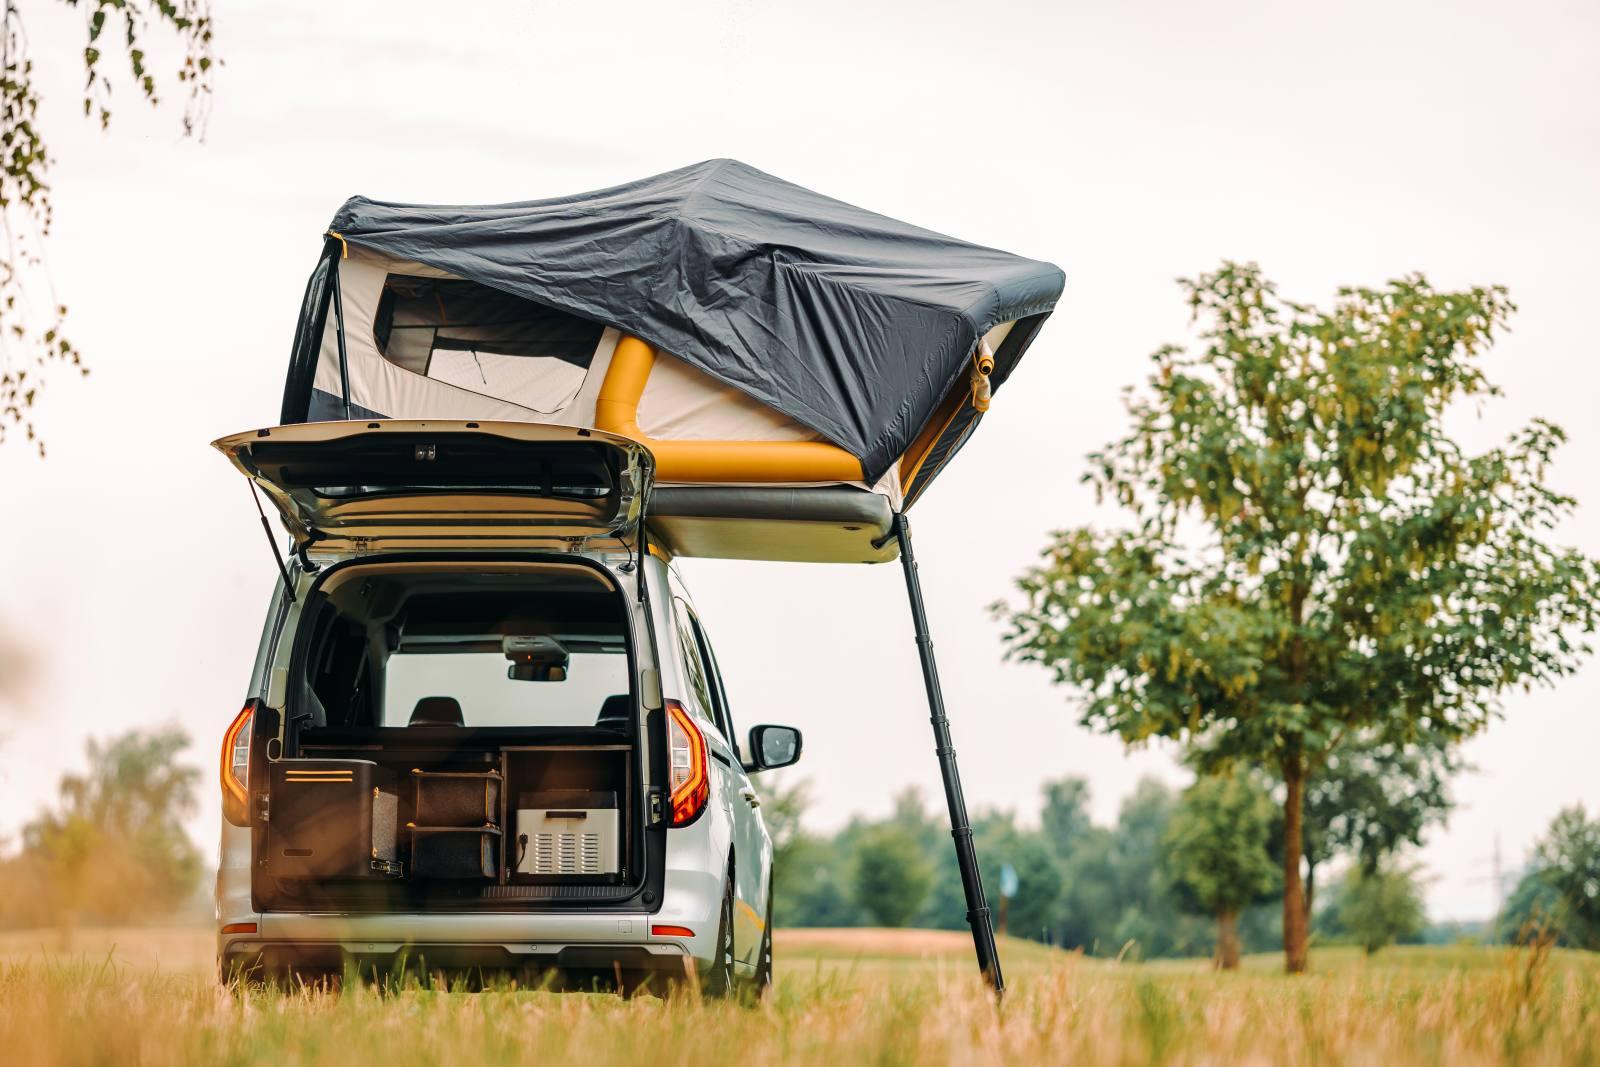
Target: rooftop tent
x: 799, y: 369
x: 752, y: 332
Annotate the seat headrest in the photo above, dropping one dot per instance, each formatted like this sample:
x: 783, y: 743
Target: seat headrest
x: 437, y: 711
x: 614, y: 712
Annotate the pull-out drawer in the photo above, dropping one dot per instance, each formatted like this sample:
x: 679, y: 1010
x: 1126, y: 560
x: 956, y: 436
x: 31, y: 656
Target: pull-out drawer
x: 455, y: 852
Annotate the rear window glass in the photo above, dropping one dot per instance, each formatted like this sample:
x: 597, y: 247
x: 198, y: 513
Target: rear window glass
x: 430, y: 649
x: 478, y: 682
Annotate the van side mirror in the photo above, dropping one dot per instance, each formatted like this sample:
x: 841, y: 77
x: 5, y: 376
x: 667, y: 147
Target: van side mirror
x: 774, y: 747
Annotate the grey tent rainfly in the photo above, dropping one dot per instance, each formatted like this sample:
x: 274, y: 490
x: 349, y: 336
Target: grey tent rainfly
x: 800, y: 368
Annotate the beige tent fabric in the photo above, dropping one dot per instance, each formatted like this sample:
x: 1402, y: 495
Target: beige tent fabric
x: 679, y: 401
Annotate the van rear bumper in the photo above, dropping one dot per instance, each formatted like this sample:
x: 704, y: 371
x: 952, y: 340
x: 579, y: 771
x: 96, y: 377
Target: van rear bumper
x: 602, y: 943
x: 633, y: 962
x: 465, y: 926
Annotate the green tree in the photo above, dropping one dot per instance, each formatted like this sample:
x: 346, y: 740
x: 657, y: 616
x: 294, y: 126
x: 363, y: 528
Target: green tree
x: 1532, y: 912
x: 1065, y: 815
x: 29, y: 348
x: 944, y: 905
x: 813, y: 887
x: 1032, y: 910
x: 1370, y: 798
x: 1217, y: 853
x: 1312, y: 558
x: 784, y: 805
x: 1567, y: 861
x: 1148, y: 913
x: 1091, y: 901
x: 115, y: 848
x: 1380, y: 906
x: 806, y: 869
x: 892, y: 875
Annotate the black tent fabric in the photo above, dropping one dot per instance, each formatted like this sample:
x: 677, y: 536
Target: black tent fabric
x: 849, y: 322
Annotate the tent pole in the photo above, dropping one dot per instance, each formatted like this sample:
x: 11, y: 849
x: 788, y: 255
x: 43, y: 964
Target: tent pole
x: 338, y: 322
x: 960, y: 830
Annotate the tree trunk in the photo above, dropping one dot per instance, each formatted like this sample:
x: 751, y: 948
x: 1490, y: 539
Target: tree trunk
x: 1295, y: 934
x: 1311, y: 889
x: 1227, y: 957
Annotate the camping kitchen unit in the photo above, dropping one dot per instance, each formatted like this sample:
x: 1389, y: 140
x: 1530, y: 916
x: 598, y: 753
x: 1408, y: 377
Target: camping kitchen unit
x: 710, y: 362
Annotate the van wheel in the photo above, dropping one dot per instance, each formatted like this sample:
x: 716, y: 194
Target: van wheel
x: 719, y: 981
x: 761, y: 984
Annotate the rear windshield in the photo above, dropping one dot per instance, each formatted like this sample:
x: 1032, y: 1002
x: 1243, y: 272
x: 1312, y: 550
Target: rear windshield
x: 479, y: 682
x: 452, y: 648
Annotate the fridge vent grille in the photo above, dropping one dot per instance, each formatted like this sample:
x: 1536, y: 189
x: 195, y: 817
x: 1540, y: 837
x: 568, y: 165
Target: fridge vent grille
x: 565, y: 854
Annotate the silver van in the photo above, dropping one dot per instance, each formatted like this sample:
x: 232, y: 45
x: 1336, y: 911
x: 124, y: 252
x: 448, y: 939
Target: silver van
x: 485, y: 729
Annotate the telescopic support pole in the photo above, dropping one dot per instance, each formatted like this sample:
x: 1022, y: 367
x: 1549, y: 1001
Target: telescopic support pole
x: 338, y: 322
x: 960, y: 830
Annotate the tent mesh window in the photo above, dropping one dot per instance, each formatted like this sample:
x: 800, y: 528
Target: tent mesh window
x: 485, y: 341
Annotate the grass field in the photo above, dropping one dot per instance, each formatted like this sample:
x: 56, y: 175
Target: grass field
x: 844, y: 997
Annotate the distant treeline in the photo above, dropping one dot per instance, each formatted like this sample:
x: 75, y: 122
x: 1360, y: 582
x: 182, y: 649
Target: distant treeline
x: 113, y: 849
x: 1105, y: 890
x: 1114, y: 890
x: 1179, y: 872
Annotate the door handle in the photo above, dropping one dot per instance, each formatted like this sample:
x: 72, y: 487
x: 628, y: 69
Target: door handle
x: 750, y: 797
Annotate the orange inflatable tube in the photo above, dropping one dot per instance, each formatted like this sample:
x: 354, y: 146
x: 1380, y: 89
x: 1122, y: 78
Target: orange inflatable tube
x: 616, y: 410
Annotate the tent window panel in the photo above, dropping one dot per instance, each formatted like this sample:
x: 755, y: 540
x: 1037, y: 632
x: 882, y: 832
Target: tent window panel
x: 545, y: 385
x: 485, y: 341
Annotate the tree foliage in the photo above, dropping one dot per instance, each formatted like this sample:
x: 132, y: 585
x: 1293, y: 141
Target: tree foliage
x: 783, y: 804
x: 1370, y: 799
x: 114, y: 849
x: 1102, y: 889
x: 1312, y: 559
x: 1065, y: 814
x: 1533, y: 913
x: 1563, y: 885
x: 1380, y: 906
x: 32, y: 337
x: 1216, y: 847
x: 892, y: 875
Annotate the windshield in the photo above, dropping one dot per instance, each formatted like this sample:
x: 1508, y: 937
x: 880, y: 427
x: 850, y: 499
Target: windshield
x: 479, y: 684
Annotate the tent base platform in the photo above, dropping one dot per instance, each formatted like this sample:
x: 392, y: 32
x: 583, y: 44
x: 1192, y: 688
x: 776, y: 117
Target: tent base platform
x: 818, y: 524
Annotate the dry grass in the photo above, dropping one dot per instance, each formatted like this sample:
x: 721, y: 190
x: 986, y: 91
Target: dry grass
x: 844, y: 997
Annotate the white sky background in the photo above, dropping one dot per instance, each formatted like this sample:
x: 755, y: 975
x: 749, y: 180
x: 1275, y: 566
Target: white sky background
x: 1129, y: 143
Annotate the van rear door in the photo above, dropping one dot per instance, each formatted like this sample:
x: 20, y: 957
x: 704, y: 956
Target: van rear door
x: 351, y: 487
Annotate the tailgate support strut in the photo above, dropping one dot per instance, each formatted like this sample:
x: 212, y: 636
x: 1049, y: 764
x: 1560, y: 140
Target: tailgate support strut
x: 960, y: 829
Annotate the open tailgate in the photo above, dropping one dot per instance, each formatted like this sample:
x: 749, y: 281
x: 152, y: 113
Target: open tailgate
x: 408, y: 484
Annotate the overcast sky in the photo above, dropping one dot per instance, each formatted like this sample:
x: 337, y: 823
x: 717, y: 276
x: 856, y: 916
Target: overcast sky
x: 1129, y: 143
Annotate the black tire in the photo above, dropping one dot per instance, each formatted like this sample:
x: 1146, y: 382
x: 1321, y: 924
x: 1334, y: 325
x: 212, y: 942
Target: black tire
x: 761, y: 985
x: 719, y: 983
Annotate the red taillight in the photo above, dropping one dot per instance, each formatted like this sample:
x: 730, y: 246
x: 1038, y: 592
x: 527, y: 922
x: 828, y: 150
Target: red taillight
x: 235, y: 768
x: 239, y: 928
x: 689, y: 775
x: 671, y: 931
